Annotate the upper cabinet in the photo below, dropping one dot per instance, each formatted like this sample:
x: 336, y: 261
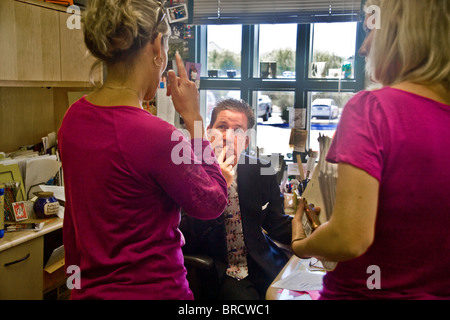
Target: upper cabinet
x: 37, y: 47
x: 76, y: 61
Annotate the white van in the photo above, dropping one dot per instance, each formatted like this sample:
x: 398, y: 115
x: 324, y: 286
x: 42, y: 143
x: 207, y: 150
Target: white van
x: 324, y: 108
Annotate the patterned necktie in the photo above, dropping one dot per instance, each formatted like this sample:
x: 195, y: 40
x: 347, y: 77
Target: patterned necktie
x: 237, y: 252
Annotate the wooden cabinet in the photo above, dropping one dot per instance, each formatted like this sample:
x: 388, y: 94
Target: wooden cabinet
x: 21, y: 271
x: 37, y: 43
x: 37, y: 47
x: 41, y: 60
x: 76, y: 61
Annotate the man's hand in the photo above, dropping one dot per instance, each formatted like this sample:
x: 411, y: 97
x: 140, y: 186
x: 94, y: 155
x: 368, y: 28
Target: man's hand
x: 226, y: 166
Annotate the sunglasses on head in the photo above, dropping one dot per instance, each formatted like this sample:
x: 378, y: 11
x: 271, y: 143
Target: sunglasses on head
x: 159, y: 20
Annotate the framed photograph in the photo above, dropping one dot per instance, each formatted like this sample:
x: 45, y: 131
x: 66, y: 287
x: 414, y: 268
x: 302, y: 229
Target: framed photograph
x: 189, y: 31
x: 177, y: 13
x: 20, y: 213
x: 193, y: 71
x: 268, y: 70
x: 177, y: 31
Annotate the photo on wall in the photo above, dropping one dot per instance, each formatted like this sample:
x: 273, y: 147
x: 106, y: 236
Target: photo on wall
x: 177, y: 13
x: 194, y: 71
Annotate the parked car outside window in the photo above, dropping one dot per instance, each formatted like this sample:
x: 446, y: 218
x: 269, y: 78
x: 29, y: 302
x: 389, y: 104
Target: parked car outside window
x: 324, y: 108
x: 264, y: 107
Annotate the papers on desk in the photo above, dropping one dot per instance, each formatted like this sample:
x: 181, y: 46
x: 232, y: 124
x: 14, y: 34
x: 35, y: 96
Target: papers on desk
x: 32, y: 171
x: 303, y: 279
x: 58, y: 191
x: 39, y: 170
x: 321, y: 190
x: 327, y: 176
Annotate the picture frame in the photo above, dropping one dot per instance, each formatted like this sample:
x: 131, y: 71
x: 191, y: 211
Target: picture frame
x: 193, y: 72
x: 20, y: 212
x: 177, y: 13
x: 268, y: 70
x: 189, y: 31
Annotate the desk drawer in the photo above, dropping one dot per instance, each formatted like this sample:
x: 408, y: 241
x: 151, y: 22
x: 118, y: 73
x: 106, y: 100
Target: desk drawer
x: 21, y: 275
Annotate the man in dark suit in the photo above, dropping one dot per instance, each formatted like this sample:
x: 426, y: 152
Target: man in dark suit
x: 240, y: 241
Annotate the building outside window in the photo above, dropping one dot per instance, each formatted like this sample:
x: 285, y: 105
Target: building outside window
x: 224, y: 51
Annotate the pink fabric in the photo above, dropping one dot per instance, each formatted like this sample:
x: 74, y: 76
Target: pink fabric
x: 123, y: 199
x: 403, y: 140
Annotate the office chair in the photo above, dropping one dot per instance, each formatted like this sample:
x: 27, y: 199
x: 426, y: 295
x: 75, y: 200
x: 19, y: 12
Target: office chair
x: 202, y: 276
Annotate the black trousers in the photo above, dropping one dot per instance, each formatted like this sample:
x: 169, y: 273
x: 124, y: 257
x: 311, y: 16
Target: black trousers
x: 232, y: 289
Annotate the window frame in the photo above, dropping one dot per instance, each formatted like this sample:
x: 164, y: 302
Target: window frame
x: 301, y: 84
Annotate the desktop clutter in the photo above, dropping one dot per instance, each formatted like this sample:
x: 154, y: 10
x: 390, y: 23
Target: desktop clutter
x: 295, y: 180
x: 31, y: 187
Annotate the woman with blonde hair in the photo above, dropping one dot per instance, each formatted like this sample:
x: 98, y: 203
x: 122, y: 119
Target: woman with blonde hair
x: 389, y: 227
x: 124, y: 185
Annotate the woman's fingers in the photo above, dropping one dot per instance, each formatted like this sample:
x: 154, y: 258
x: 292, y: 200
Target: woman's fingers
x: 181, y: 68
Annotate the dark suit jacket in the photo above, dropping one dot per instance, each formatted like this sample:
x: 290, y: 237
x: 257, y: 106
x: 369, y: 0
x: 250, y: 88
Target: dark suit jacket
x: 256, y: 191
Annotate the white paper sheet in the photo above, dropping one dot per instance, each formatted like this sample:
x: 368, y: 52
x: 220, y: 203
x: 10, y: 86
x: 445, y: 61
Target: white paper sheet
x: 39, y: 170
x: 58, y: 191
x: 301, y: 280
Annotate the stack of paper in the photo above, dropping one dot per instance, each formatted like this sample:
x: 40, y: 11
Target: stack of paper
x: 30, y: 172
x: 304, y: 282
x: 321, y: 190
x: 327, y: 176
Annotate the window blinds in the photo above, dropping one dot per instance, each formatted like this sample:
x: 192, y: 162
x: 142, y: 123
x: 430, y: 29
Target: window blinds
x: 275, y: 11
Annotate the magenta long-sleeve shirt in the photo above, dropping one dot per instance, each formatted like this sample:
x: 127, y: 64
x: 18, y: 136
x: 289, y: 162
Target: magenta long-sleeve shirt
x: 126, y: 175
x: 402, y: 140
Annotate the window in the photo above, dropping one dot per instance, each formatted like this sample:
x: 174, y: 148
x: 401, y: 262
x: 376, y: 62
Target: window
x: 224, y: 51
x: 333, y: 50
x: 272, y: 129
x: 325, y: 112
x: 277, y: 46
x: 294, y: 48
x: 214, y: 96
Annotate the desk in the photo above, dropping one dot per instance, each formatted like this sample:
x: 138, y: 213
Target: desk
x: 12, y: 239
x: 274, y: 293
x: 23, y: 279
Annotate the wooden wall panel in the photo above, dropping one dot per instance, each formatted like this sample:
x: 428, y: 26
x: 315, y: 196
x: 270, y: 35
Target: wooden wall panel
x: 26, y: 115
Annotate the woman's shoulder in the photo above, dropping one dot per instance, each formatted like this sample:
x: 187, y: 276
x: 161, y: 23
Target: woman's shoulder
x: 375, y: 99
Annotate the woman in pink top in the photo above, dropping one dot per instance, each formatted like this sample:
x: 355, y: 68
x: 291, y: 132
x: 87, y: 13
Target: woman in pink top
x: 389, y: 230
x: 127, y: 172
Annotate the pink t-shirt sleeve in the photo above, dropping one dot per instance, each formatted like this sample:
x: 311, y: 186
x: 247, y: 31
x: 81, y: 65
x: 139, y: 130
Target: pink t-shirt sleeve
x: 362, y: 136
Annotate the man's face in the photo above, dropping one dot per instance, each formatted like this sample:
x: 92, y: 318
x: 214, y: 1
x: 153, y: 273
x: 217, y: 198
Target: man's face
x: 231, y: 126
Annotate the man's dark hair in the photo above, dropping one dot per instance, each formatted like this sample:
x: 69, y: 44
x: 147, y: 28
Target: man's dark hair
x: 234, y: 105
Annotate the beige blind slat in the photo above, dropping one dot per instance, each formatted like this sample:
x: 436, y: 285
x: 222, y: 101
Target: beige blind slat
x: 275, y: 11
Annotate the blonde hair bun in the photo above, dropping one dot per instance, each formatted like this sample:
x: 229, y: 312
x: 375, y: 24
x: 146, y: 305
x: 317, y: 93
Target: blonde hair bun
x: 113, y: 28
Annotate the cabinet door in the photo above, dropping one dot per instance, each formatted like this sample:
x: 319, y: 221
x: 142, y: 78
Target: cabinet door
x: 8, y: 57
x: 21, y: 271
x: 76, y: 61
x: 37, y: 43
